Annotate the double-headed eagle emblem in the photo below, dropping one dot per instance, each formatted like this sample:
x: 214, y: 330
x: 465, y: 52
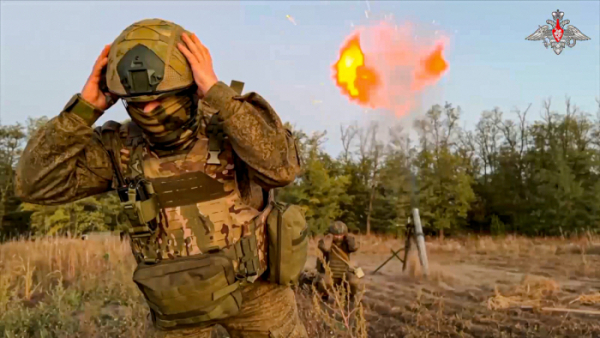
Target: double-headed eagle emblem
x: 556, y: 30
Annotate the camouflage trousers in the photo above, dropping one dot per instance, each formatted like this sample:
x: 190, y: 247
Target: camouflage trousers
x: 268, y: 311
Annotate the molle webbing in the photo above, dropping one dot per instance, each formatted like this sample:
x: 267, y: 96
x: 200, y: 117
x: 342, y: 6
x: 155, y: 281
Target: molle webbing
x: 246, y: 252
x: 338, y: 261
x: 186, y: 189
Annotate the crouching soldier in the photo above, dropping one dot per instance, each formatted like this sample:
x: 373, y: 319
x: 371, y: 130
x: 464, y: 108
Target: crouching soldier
x: 337, y: 255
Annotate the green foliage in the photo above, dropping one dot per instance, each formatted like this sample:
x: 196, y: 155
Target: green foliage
x: 503, y: 176
x: 316, y: 190
x: 497, y: 227
x: 96, y: 213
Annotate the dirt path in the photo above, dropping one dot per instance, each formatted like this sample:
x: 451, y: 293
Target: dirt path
x: 453, y: 300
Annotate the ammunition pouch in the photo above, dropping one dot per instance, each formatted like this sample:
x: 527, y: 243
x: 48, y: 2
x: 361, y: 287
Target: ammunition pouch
x: 141, y: 206
x: 287, y: 234
x: 190, y: 290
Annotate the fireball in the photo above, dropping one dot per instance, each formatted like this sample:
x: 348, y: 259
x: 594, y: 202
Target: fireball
x: 356, y: 79
x: 390, y: 69
x: 431, y: 69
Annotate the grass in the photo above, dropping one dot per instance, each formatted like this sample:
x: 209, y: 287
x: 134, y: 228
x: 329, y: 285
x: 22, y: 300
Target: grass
x: 531, y: 292
x: 57, y: 287
x: 62, y: 287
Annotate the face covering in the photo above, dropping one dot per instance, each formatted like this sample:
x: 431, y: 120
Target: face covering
x: 171, y: 126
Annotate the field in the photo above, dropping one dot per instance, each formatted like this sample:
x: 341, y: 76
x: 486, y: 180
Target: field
x: 477, y: 287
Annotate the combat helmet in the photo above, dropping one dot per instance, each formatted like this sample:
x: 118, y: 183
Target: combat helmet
x: 144, y: 63
x: 338, y: 228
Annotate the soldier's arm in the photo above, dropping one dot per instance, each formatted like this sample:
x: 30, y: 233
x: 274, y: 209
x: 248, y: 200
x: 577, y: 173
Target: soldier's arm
x: 352, y: 243
x: 257, y: 135
x: 64, y: 161
x: 322, y: 246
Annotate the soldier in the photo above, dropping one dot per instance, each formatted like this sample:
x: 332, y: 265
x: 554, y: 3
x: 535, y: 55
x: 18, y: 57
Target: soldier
x: 193, y: 170
x: 337, y: 255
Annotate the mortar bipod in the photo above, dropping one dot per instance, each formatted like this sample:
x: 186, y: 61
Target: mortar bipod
x: 414, y: 231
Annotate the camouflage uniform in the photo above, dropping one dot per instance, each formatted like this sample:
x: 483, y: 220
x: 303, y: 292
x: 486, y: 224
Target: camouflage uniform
x: 214, y: 205
x: 337, y: 254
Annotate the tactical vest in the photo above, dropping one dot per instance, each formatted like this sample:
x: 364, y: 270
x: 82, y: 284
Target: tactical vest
x: 194, y: 239
x: 336, y: 263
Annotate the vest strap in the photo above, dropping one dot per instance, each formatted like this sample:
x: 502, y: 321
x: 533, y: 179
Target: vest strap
x: 214, y: 131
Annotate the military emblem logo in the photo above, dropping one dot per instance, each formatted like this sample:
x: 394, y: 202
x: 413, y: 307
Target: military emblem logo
x: 558, y: 31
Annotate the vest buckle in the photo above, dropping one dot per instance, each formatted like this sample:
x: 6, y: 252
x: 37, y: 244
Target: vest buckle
x: 213, y: 157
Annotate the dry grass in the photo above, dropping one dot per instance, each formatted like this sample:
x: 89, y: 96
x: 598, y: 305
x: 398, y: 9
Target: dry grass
x: 531, y: 292
x: 60, y: 287
x: 343, y: 315
x: 519, y: 245
x: 589, y: 299
x: 340, y: 316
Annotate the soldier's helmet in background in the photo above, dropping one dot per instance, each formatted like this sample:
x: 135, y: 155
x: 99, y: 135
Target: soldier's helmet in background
x: 144, y: 63
x: 338, y: 228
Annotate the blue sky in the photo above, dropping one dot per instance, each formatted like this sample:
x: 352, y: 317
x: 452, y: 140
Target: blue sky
x: 48, y: 49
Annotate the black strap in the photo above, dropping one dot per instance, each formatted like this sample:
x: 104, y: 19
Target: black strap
x: 110, y: 140
x: 214, y: 131
x: 135, y: 135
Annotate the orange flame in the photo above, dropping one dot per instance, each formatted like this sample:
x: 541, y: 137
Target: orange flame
x: 352, y: 75
x: 391, y: 69
x: 431, y: 69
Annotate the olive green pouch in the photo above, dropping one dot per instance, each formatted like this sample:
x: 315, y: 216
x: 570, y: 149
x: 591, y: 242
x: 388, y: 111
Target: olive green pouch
x: 288, y: 243
x: 189, y: 290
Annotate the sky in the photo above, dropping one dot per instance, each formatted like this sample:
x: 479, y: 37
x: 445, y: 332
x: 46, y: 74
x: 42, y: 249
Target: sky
x: 47, y: 50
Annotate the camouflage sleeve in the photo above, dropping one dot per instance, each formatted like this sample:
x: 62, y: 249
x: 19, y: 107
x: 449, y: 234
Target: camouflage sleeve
x: 257, y: 135
x: 64, y: 161
x: 322, y: 246
x: 352, y: 243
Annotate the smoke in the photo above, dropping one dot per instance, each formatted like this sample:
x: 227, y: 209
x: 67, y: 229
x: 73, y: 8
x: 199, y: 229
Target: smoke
x: 405, y: 63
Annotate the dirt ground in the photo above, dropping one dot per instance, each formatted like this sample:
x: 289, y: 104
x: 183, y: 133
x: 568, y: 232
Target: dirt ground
x: 476, y: 287
x: 498, y: 288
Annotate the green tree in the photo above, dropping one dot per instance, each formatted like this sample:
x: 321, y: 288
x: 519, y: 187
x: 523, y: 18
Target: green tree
x: 316, y: 190
x: 445, y: 192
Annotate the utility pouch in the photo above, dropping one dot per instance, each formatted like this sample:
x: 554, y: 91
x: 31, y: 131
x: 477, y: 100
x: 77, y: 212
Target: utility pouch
x: 190, y: 290
x: 288, y: 243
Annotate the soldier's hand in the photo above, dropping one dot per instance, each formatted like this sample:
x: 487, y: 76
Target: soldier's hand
x: 199, y: 58
x: 91, y: 92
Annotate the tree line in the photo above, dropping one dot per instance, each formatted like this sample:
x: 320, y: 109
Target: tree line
x: 504, y: 175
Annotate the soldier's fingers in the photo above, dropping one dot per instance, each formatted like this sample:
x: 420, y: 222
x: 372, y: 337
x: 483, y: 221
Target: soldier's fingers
x: 105, y: 51
x: 103, y: 55
x: 201, y: 47
x: 101, y: 60
x: 204, y: 50
x: 192, y: 47
x: 188, y: 42
x: 188, y: 55
x: 97, y: 71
